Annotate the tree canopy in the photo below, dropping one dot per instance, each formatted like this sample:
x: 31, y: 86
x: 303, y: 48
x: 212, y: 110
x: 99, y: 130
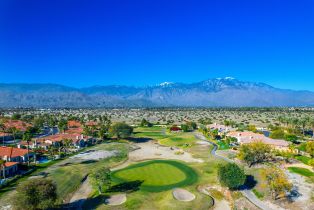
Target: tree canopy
x: 253, y: 153
x: 36, y: 193
x: 231, y: 175
x: 121, y: 130
x: 277, y: 181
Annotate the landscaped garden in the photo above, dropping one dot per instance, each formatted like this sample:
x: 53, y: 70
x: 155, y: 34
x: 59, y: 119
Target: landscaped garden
x: 157, y: 175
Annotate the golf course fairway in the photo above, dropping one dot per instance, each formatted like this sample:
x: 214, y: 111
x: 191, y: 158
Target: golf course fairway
x: 157, y: 175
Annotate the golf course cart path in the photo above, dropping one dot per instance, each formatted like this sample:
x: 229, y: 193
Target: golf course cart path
x: 183, y: 195
x: 116, y: 200
x: 247, y: 193
x: 81, y: 195
x: 222, y: 205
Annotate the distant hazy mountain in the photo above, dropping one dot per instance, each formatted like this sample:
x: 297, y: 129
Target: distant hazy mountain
x: 209, y: 93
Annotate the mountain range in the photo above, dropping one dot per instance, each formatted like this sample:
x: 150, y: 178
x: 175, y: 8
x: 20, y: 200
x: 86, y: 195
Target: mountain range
x: 218, y: 92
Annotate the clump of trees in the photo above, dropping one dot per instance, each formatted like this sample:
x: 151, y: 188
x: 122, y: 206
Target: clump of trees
x: 102, y: 179
x: 121, y: 130
x: 34, y: 194
x: 278, y: 182
x: 231, y: 175
x: 146, y: 123
x: 253, y: 153
x: 189, y: 126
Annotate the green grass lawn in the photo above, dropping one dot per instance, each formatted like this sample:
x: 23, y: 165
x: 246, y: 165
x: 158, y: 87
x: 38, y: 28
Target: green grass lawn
x: 303, y: 159
x: 157, y: 175
x: 68, y: 177
x: 302, y: 171
x: 181, y: 139
x: 222, y: 145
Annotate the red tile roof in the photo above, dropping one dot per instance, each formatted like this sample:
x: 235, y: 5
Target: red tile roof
x: 249, y: 137
x: 62, y: 136
x: 91, y: 123
x: 12, y: 152
x: 4, y: 134
x: 74, y: 124
x: 74, y: 131
x: 8, y: 164
x: 20, y: 125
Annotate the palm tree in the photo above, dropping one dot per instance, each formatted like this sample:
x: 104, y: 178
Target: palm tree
x: 28, y: 138
x: 13, y: 131
x: 303, y: 123
x: 2, y: 166
x: 67, y: 144
x: 2, y: 128
x: 311, y: 124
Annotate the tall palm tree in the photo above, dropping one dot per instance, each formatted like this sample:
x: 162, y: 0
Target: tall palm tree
x: 311, y: 124
x: 13, y: 131
x: 2, y: 128
x: 303, y: 123
x: 28, y: 138
x: 2, y: 166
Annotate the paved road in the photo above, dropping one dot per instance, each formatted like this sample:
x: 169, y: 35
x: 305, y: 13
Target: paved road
x: 247, y: 193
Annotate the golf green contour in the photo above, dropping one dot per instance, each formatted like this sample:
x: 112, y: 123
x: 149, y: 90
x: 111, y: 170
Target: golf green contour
x: 157, y: 175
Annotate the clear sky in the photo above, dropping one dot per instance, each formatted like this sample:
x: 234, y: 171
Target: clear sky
x: 144, y: 42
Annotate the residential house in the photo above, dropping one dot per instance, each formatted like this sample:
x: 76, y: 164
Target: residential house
x: 78, y: 140
x: 10, y: 169
x: 249, y: 137
x: 222, y: 129
x: 12, y: 154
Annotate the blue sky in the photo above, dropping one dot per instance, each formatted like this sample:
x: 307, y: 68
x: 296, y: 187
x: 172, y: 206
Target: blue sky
x: 141, y: 42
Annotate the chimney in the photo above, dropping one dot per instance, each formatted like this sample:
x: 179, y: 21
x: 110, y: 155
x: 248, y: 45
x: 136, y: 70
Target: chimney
x: 239, y: 134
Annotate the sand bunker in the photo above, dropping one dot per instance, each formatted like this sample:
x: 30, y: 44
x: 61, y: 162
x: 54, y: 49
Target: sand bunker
x: 116, y: 200
x: 94, y: 155
x: 183, y: 195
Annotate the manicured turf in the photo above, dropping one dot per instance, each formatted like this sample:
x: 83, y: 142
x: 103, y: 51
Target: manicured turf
x: 157, y: 175
x: 302, y: 171
x: 303, y: 159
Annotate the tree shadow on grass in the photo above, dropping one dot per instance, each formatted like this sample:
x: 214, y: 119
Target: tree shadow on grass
x: 89, y: 161
x: 249, y: 183
x: 89, y: 203
x: 126, y: 186
x: 139, y: 139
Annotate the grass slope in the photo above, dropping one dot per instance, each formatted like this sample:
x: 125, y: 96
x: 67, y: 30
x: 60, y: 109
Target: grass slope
x: 158, y: 175
x: 302, y: 171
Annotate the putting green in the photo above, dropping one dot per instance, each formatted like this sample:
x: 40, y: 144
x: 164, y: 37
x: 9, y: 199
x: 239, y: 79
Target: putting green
x: 157, y: 175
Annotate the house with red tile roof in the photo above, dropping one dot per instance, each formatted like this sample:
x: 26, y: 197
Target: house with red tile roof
x: 12, y: 154
x: 91, y: 123
x: 250, y: 137
x: 74, y: 124
x: 18, y: 124
x: 78, y: 140
x: 10, y: 169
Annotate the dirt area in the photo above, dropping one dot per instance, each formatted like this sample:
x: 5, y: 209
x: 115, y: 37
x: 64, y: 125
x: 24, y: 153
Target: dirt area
x: 152, y: 150
x: 244, y: 203
x: 222, y: 205
x: 116, y: 200
x: 81, y: 195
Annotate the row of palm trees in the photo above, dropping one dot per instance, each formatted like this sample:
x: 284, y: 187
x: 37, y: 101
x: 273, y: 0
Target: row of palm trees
x: 302, y: 123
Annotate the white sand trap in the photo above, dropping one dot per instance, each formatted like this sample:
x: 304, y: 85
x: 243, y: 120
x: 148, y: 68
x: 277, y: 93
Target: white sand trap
x: 183, y: 195
x: 116, y: 200
x: 95, y: 155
